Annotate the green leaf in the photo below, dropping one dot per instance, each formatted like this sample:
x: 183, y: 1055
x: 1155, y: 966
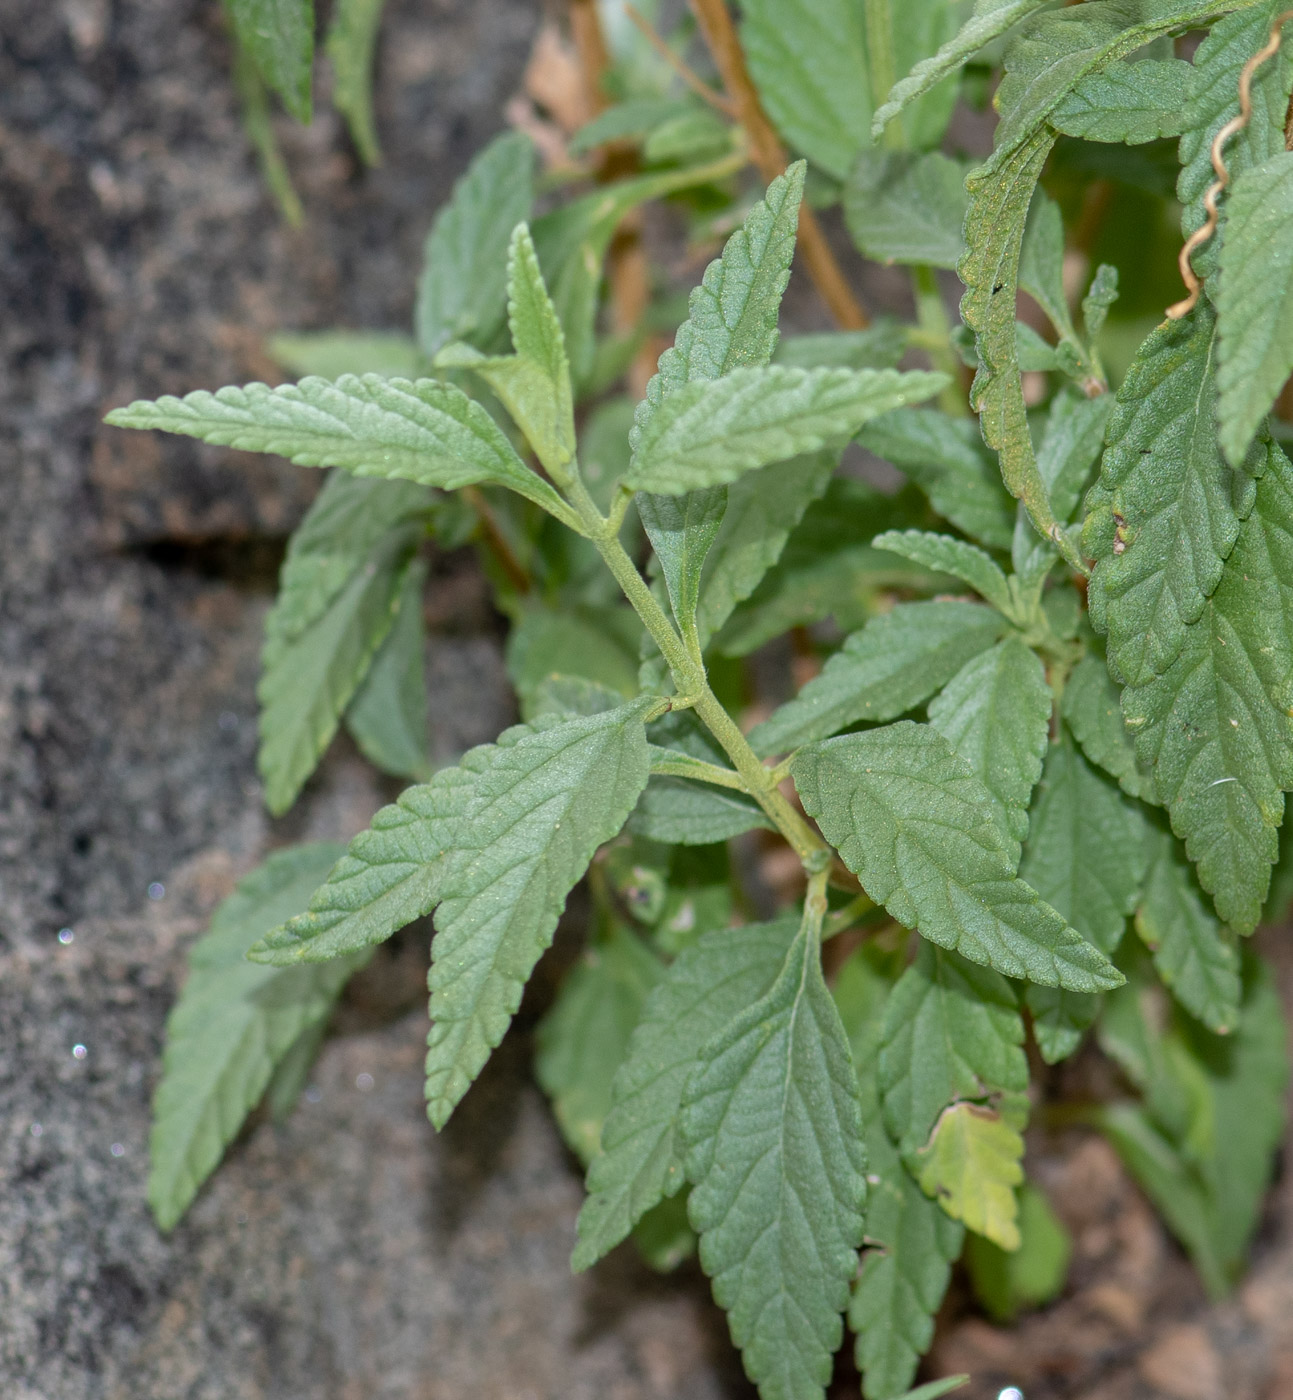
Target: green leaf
x: 1194, y: 955
x: 1100, y: 297
x: 582, y: 1041
x: 334, y: 353
x: 996, y: 712
x: 773, y: 1130
x: 1254, y: 302
x: 880, y: 346
x: 693, y: 135
x: 279, y: 35
x: 952, y: 1032
x: 1128, y: 102
x: 345, y: 573
x: 1218, y: 62
x: 971, y: 1167
x: 1092, y: 709
x: 233, y: 1024
x: 1041, y: 260
x: 683, y: 813
x: 682, y: 530
x: 924, y: 836
x: 990, y: 20
x: 948, y: 555
x: 890, y: 666
x: 462, y: 291
x: 572, y: 695
x: 351, y: 39
x: 947, y: 459
x: 534, y: 383
x: 388, y: 715
x: 538, y: 811
x: 905, y: 207
x: 1215, y: 725
x: 1035, y: 1273
x: 707, y: 433
x: 590, y: 643
x: 631, y: 120
x: 641, y: 1163
x: 424, y: 431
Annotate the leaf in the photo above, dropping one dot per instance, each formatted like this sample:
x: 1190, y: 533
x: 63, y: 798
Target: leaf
x: 1086, y: 856
x: 971, y: 1167
x: 952, y: 1032
x: 1128, y: 102
x: 641, y: 1163
x: 351, y: 39
x: 995, y: 712
x: 990, y: 20
x: 1254, y: 302
x: 424, y: 431
x: 808, y: 59
x: 890, y: 666
x: 948, y: 555
x: 905, y: 207
x: 388, y: 715
x: 345, y: 572
x: 1092, y: 709
x: 534, y: 383
x: 538, y: 811
x: 880, y: 346
x: 732, y: 323
x: 913, y: 821
x: 1041, y: 260
x: 1035, y: 1273
x: 772, y: 1125
x: 233, y: 1024
x: 582, y: 1040
x: 631, y: 120
x: 462, y: 290
x: 932, y: 1390
x: 597, y: 644
x: 1215, y: 726
x: 1218, y: 62
x: 279, y: 35
x: 708, y: 433
x: 1194, y: 955
x: 334, y: 353
x: 947, y: 459
x: 683, y: 813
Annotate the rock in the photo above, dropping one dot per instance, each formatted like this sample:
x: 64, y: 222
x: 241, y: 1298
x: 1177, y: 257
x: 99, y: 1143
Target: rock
x: 1184, y: 1364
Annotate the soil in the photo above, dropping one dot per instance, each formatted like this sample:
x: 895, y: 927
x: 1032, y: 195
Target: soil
x: 350, y: 1253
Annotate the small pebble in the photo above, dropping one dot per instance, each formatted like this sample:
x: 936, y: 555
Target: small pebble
x: 157, y: 890
x: 117, y: 1150
x: 66, y: 936
x: 313, y: 1094
x: 364, y: 1082
x: 228, y: 720
x: 36, y: 1130
x: 79, y: 1052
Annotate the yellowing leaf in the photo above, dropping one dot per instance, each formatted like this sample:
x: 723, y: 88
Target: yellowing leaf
x: 971, y: 1167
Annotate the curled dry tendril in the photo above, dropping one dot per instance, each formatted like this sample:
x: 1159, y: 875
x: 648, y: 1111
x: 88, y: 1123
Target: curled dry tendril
x: 1232, y: 128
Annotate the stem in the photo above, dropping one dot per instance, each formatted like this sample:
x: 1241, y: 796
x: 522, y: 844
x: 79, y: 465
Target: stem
x: 883, y: 65
x: 936, y: 336
x: 693, y: 685
x: 700, y: 770
x: 692, y: 79
x: 815, y: 906
x: 844, y: 919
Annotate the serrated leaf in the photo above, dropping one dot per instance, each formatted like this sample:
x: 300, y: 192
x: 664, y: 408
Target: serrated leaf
x: 924, y: 836
x: 990, y: 20
x: 388, y: 715
x: 1034, y: 1273
x: 1092, y: 709
x: 534, y: 383
x: 891, y: 665
x: 352, y: 37
x: 279, y: 35
x: 538, y: 811
x: 462, y: 290
x: 995, y: 712
x: 597, y: 644
x: 641, y: 1161
x: 880, y: 346
x: 1218, y: 62
x: 905, y: 207
x: 947, y: 459
x: 425, y: 430
x: 971, y: 1167
x: 582, y: 1040
x: 952, y: 1031
x: 1128, y: 102
x: 572, y: 695
x: 772, y: 1125
x: 341, y: 585
x: 1194, y: 955
x: 233, y: 1024
x: 1254, y: 302
x: 683, y: 813
x: 708, y: 433
x: 948, y: 555
x: 1215, y: 725
x: 682, y: 530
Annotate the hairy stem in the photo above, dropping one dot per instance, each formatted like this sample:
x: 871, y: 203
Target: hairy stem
x: 936, y: 337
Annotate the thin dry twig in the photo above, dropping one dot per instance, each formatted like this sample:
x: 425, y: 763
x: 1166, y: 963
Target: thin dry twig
x: 769, y: 156
x: 675, y: 61
x: 1233, y: 127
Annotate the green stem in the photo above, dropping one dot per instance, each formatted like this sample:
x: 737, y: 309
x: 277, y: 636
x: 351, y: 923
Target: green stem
x: 882, y: 63
x: 701, y: 771
x: 848, y: 917
x: 689, y: 676
x: 936, y: 337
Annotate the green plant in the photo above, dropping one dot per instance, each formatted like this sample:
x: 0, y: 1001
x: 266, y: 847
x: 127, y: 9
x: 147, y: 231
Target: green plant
x: 1035, y: 788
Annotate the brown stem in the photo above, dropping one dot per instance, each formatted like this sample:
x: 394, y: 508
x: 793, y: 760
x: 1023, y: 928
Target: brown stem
x: 590, y: 45
x: 770, y: 157
x: 497, y: 541
x: 688, y: 74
